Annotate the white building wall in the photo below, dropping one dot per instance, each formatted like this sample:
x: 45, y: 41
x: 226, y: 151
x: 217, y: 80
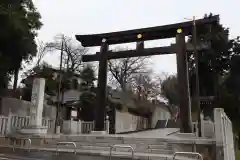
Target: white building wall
x: 160, y: 113
x: 125, y: 122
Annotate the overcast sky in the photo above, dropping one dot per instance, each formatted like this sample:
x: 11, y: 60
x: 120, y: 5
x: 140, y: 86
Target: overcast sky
x: 72, y: 17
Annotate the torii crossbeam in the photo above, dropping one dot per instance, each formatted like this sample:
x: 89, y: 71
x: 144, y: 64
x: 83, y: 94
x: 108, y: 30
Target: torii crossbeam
x: 179, y: 30
x: 141, y: 53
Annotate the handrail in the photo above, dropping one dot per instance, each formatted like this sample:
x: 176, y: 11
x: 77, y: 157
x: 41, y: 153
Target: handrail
x: 187, y: 153
x: 121, y: 146
x: 166, y: 123
x: 28, y: 139
x: 66, y: 143
x: 173, y: 132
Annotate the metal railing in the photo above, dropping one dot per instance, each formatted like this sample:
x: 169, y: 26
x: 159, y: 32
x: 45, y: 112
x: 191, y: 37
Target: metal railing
x: 121, y: 146
x: 15, y: 139
x: 166, y: 123
x: 67, y: 143
x: 188, y: 153
x: 171, y: 133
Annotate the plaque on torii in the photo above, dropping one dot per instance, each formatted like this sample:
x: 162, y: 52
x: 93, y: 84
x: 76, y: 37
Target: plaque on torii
x: 178, y: 30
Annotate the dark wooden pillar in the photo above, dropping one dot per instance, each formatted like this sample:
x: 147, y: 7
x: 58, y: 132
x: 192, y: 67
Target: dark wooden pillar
x: 140, y: 43
x: 102, y: 86
x: 183, y: 85
x: 140, y: 46
x: 68, y: 113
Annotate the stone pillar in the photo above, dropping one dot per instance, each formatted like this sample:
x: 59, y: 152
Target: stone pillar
x: 36, y: 109
x: 37, y: 100
x: 79, y: 130
x: 107, y: 124
x: 9, y: 123
x: 202, y: 125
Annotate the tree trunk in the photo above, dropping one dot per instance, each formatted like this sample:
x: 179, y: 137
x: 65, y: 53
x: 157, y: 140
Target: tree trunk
x: 3, y: 83
x: 123, y: 86
x: 16, y: 71
x: 238, y: 140
x: 3, y: 86
x: 78, y: 113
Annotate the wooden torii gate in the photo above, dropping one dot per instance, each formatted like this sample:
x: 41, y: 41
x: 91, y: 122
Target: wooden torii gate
x: 178, y: 30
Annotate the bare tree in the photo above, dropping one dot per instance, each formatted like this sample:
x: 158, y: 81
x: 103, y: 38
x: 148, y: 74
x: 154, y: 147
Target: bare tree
x: 42, y: 50
x: 146, y: 86
x: 72, y: 55
x: 123, y: 70
x: 73, y: 51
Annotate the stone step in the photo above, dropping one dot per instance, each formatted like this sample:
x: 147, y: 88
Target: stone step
x: 113, y: 140
x: 135, y: 146
x: 136, y: 142
x: 122, y: 154
x: 107, y: 148
x: 92, y: 138
x: 157, y: 146
x: 186, y: 135
x: 132, y: 143
x: 102, y: 156
x: 144, y: 142
x: 160, y: 151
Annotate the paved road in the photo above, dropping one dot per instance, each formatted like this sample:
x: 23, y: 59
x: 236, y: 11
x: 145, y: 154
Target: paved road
x: 38, y: 156
x: 14, y: 157
x: 156, y: 133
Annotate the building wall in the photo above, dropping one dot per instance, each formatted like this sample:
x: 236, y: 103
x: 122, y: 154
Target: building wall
x: 49, y: 111
x: 160, y: 113
x: 16, y: 106
x: 125, y: 122
x: 69, y: 95
x: 22, y: 108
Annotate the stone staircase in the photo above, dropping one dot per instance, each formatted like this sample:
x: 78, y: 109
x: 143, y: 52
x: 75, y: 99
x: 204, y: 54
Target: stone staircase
x: 103, y: 144
x: 96, y: 147
x: 144, y: 148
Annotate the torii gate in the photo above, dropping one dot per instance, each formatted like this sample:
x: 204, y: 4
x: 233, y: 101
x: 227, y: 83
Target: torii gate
x: 178, y: 30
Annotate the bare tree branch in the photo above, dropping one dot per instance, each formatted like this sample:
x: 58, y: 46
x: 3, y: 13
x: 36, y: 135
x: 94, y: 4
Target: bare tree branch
x: 146, y: 87
x: 72, y: 52
x: 41, y: 52
x: 123, y: 70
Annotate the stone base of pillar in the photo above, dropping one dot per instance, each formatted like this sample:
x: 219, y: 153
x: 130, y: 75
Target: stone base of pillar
x: 34, y: 130
x: 98, y: 132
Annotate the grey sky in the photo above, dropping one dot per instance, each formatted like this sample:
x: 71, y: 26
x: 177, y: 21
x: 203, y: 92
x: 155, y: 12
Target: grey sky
x: 72, y: 17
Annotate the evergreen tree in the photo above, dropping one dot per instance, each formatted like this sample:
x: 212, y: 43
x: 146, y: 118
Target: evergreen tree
x: 19, y: 24
x: 88, y: 96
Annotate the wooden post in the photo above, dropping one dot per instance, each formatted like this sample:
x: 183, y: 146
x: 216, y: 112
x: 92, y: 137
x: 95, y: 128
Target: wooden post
x: 102, y: 86
x: 107, y: 124
x: 9, y: 122
x: 183, y: 83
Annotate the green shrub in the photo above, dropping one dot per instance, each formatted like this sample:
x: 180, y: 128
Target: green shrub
x: 238, y: 155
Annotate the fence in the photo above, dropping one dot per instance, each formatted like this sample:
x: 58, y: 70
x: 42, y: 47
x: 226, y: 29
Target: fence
x: 50, y: 123
x: 87, y: 127
x: 79, y: 127
x: 13, y: 122
x: 3, y: 125
x: 207, y: 128
x: 223, y: 135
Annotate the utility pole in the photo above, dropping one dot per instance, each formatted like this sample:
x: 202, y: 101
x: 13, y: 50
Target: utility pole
x: 197, y: 92
x: 57, y: 122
